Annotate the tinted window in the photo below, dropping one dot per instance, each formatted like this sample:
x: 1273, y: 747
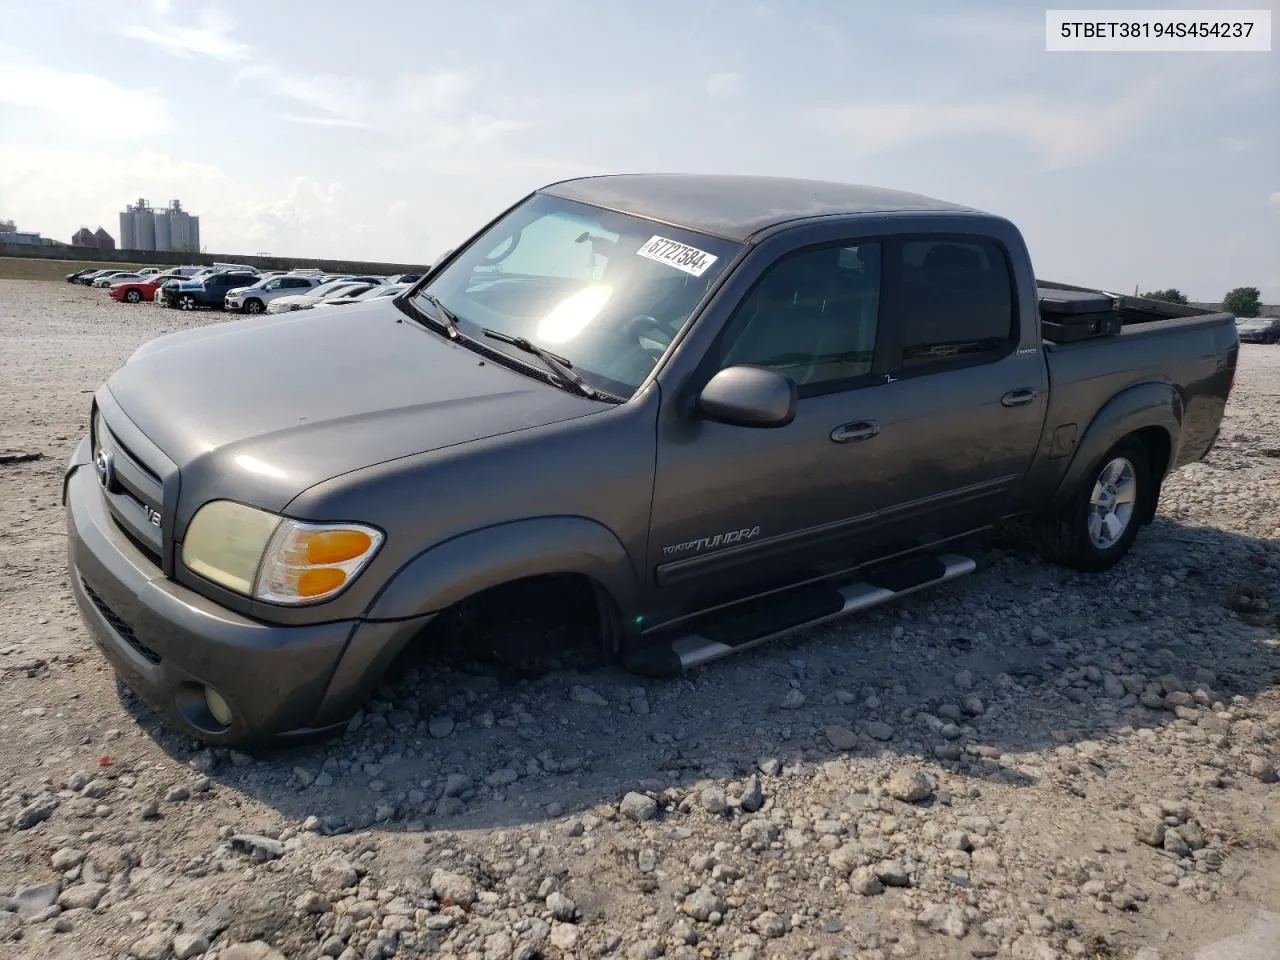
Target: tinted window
x: 812, y: 316
x: 297, y: 283
x: 957, y: 300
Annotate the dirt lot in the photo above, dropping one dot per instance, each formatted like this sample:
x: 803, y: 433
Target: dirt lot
x: 18, y: 268
x: 1027, y: 764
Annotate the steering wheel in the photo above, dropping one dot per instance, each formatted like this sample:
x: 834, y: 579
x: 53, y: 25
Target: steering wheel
x: 495, y: 258
x: 640, y: 323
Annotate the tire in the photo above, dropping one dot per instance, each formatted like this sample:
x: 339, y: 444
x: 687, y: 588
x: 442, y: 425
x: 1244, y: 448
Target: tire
x: 133, y: 296
x: 254, y: 306
x: 1097, y: 527
x: 186, y: 302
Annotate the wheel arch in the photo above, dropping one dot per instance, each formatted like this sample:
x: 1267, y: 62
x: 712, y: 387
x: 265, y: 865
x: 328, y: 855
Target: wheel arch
x: 1150, y: 412
x: 464, y: 566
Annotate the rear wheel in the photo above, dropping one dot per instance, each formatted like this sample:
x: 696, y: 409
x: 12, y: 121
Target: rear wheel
x: 133, y: 296
x: 1098, y: 525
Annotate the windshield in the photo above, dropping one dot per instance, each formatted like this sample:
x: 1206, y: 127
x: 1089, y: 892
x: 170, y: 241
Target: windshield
x: 606, y: 291
x: 323, y: 288
x: 382, y: 290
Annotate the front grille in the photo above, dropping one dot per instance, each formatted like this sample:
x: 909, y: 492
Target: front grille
x: 120, y: 626
x: 134, y: 491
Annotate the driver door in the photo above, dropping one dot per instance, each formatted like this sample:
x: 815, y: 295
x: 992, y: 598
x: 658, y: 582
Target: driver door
x: 737, y: 510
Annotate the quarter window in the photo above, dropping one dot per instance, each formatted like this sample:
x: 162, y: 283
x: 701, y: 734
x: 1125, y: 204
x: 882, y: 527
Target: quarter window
x: 812, y: 317
x: 957, y: 302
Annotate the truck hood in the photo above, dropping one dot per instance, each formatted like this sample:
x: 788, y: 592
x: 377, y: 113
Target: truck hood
x: 260, y: 410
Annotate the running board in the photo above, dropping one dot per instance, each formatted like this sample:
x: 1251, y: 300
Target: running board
x: 770, y: 618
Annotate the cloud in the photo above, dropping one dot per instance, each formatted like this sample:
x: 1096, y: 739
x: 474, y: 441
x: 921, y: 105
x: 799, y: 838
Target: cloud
x: 425, y: 113
x: 212, y: 38
x: 725, y: 84
x: 323, y: 121
x: 332, y: 95
x: 1060, y: 133
x: 61, y: 95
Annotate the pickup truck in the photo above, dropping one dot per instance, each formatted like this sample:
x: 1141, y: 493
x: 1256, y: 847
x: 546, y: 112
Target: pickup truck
x: 671, y: 415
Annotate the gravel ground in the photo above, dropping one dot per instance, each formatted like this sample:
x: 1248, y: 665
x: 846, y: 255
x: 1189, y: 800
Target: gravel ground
x: 1028, y: 763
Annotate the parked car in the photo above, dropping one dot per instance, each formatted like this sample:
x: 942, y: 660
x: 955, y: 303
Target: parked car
x: 207, y: 291
x: 75, y: 277
x: 404, y: 278
x: 149, y: 271
x: 1258, y: 329
x: 143, y: 288
x: 88, y: 278
x: 254, y: 298
x: 118, y: 277
x: 370, y: 293
x: 339, y: 287
x: 697, y: 413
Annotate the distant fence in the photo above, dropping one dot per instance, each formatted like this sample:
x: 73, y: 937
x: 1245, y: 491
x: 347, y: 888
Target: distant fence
x: 177, y: 258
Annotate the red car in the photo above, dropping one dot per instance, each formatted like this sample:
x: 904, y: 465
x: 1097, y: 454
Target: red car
x: 135, y: 291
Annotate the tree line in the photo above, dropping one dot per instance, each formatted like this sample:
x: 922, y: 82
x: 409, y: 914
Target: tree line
x: 1242, y: 301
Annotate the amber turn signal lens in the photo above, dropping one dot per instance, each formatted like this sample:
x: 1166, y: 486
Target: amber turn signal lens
x: 320, y: 580
x: 336, y: 546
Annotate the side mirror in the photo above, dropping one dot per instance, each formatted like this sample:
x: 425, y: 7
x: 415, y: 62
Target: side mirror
x: 749, y: 397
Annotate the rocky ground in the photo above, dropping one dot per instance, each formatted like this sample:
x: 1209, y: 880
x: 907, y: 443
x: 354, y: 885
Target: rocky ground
x: 1029, y: 763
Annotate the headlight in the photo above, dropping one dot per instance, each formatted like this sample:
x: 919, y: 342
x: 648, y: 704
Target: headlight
x: 272, y: 558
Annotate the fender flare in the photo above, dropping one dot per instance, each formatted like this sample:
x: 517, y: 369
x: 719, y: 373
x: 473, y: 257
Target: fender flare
x: 1144, y: 405
x: 464, y: 565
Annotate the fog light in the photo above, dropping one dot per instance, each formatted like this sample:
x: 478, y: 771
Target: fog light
x: 219, y: 707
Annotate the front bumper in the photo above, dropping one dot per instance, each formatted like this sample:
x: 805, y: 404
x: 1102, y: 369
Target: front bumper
x: 167, y: 642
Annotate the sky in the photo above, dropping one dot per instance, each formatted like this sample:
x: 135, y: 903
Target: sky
x: 392, y: 130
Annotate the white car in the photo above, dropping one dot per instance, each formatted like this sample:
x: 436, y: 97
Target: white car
x: 116, y: 276
x: 373, y: 293
x: 338, y: 288
x: 254, y: 299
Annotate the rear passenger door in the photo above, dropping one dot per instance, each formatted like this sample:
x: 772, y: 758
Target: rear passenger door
x: 962, y: 405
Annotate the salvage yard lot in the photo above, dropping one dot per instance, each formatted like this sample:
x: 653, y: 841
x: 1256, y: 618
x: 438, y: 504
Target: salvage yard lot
x: 1028, y: 763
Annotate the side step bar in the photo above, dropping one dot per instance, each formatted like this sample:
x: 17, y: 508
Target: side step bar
x: 754, y: 623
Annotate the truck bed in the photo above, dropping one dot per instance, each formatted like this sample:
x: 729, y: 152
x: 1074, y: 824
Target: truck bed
x: 1131, y: 311
x: 1192, y: 351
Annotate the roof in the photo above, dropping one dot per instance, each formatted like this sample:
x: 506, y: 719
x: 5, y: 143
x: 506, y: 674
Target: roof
x: 735, y: 207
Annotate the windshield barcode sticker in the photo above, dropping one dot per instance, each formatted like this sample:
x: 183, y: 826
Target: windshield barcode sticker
x: 678, y: 255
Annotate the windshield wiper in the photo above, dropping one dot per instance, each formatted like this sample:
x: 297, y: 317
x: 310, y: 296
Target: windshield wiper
x: 561, y: 367
x: 448, y: 319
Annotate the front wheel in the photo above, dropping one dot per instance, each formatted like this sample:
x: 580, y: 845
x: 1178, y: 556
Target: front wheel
x: 253, y: 305
x: 1098, y: 525
x: 186, y: 302
x: 134, y: 296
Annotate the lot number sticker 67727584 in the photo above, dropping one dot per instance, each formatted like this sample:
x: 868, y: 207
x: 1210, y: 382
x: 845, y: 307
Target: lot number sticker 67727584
x: 678, y: 255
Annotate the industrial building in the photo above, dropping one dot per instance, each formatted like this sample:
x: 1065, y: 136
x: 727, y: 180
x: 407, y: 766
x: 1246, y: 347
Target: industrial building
x: 98, y: 239
x: 144, y: 228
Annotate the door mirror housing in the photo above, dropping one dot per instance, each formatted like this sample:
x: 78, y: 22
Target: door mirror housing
x: 746, y: 396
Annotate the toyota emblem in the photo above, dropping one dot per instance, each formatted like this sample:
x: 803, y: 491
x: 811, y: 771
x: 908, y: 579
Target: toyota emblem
x: 105, y: 468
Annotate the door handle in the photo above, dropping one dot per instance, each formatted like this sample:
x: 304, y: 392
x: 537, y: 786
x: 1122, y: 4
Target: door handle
x: 855, y: 432
x: 1016, y: 398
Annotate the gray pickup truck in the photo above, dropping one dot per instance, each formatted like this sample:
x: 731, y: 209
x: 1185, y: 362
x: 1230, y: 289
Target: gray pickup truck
x: 676, y: 415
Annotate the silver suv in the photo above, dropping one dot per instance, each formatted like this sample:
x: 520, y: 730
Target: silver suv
x: 254, y: 299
